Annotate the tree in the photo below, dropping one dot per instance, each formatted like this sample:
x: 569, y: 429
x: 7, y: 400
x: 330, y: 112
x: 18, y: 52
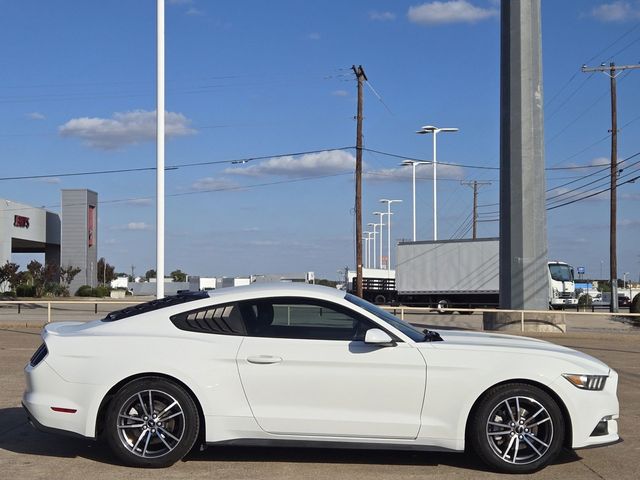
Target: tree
x: 67, y: 274
x: 150, y: 274
x: 179, y: 276
x: 106, y: 272
x: 9, y: 274
x: 41, y: 275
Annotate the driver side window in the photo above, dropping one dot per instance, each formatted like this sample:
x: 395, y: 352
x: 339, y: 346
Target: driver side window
x: 303, y: 319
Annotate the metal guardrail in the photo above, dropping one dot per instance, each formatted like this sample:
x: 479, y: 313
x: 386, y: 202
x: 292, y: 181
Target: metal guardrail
x: 48, y: 303
x: 403, y: 309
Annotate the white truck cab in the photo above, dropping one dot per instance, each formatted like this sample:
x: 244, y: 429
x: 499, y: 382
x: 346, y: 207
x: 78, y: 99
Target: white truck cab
x: 562, y: 287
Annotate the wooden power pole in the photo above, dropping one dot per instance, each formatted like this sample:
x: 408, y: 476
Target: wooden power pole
x: 612, y: 71
x: 361, y: 77
x: 475, y: 184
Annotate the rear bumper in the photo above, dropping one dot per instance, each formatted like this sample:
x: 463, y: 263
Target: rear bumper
x: 46, y: 390
x: 56, y: 431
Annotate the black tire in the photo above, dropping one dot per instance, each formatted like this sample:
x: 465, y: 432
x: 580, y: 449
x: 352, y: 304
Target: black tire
x: 138, y: 438
x: 380, y: 300
x: 521, y: 449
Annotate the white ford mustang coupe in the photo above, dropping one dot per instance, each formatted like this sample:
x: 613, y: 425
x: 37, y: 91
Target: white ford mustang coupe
x: 286, y: 364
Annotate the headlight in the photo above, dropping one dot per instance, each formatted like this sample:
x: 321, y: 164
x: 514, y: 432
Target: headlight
x: 586, y: 382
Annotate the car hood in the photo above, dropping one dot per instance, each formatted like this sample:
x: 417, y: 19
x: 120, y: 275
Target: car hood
x: 500, y: 343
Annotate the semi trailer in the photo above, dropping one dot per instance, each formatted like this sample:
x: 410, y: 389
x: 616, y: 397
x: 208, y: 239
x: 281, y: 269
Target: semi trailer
x: 458, y: 273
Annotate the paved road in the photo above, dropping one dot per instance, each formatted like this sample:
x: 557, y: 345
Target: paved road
x: 28, y: 454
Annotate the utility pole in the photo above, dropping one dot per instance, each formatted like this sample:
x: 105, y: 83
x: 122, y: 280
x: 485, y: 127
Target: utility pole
x: 361, y: 77
x: 612, y: 71
x: 475, y: 184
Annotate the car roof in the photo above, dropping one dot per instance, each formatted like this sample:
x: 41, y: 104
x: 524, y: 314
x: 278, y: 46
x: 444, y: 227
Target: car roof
x: 276, y: 289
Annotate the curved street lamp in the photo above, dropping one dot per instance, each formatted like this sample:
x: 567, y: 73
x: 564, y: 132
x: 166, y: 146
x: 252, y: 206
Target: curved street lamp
x: 435, y: 131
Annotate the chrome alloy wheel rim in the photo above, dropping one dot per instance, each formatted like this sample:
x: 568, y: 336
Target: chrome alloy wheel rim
x: 519, y: 430
x: 151, y: 423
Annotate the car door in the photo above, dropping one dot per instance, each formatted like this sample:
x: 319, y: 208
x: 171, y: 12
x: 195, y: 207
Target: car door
x: 306, y: 370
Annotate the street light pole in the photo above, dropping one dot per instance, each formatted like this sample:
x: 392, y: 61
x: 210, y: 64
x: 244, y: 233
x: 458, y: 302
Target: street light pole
x: 413, y: 164
x: 366, y: 237
x: 381, y: 224
x: 435, y: 131
x: 375, y: 232
x: 160, y: 149
x: 389, y: 202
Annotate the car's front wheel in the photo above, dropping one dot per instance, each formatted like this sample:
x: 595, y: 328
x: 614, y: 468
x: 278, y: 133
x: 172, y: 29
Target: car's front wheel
x: 151, y: 422
x: 517, y: 428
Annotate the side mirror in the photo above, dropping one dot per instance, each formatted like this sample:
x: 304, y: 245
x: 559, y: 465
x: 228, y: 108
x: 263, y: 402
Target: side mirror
x: 375, y: 336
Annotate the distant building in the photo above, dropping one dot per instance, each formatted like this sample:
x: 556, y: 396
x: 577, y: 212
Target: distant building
x: 66, y: 239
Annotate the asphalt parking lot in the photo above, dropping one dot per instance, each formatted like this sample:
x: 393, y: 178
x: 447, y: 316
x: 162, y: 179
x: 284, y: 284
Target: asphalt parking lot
x: 28, y: 454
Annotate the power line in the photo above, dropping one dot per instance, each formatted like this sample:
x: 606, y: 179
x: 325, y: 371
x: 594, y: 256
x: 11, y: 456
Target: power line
x: 173, y: 167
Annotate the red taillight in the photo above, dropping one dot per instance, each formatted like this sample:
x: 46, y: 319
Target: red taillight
x: 64, y: 410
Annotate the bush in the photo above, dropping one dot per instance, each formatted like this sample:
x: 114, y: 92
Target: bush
x: 585, y: 302
x: 87, y: 291
x: 25, y: 291
x: 101, y: 291
x: 635, y: 304
x: 56, y: 290
x: 84, y: 291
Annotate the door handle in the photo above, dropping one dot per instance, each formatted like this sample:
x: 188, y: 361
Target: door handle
x: 264, y: 359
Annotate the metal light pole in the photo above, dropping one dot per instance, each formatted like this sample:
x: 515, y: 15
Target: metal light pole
x: 375, y: 232
x: 413, y: 164
x: 160, y: 151
x: 367, y: 249
x: 381, y: 224
x: 389, y: 202
x: 435, y: 131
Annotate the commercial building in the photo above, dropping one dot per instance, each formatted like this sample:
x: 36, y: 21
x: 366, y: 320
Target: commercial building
x: 66, y: 239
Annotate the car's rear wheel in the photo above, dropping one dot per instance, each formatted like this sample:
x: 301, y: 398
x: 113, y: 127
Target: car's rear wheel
x: 151, y: 422
x: 517, y: 428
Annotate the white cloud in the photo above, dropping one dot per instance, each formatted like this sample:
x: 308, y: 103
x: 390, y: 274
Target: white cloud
x: 453, y: 11
x: 313, y: 36
x: 195, y: 12
x: 600, y: 162
x: 139, y: 202
x: 618, y: 11
x: 627, y: 223
x: 35, y: 116
x: 564, y: 194
x: 124, y: 128
x: 382, y: 16
x: 630, y: 196
x: 340, y: 93
x: 50, y: 180
x: 211, y: 183
x: 135, y: 226
x: 322, y: 163
x: 423, y: 172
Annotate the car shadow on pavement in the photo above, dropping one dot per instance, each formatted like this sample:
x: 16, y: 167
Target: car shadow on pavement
x: 18, y: 436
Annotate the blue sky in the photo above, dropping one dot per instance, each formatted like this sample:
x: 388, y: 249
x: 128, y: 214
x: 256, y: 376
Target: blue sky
x: 248, y: 79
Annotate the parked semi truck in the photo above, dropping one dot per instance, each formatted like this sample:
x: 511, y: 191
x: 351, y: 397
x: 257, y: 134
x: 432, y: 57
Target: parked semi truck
x: 459, y: 273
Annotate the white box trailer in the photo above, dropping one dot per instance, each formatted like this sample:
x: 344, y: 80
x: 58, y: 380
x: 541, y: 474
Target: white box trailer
x: 465, y: 273
x: 447, y: 273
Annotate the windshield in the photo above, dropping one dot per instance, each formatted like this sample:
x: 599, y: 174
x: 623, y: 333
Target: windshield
x: 561, y: 273
x: 409, y: 330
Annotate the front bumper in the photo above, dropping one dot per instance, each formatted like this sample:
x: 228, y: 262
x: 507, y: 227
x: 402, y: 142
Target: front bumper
x: 594, y: 414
